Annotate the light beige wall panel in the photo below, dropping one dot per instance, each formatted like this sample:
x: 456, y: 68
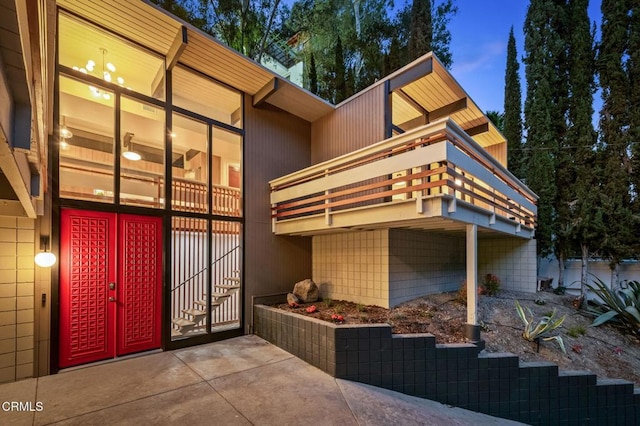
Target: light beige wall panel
x: 353, y: 125
x: 499, y: 152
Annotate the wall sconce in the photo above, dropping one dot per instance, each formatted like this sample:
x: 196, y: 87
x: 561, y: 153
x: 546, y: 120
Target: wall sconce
x: 45, y: 258
x: 128, y: 151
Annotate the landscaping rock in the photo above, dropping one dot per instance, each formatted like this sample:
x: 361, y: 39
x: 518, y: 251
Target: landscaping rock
x: 307, y: 291
x: 292, y: 299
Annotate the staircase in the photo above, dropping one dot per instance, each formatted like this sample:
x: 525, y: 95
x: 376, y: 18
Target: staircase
x: 194, y: 318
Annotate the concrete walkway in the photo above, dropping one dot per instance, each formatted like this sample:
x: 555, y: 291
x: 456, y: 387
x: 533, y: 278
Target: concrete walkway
x: 241, y: 381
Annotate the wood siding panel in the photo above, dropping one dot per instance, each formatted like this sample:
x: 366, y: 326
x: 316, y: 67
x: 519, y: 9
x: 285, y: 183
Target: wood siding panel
x: 276, y: 143
x: 353, y: 125
x: 499, y: 152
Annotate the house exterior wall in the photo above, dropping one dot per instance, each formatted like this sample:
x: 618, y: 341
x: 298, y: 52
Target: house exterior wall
x: 353, y: 266
x: 423, y: 263
x: 17, y: 278
x: 276, y: 143
x: 512, y: 260
x: 356, y: 123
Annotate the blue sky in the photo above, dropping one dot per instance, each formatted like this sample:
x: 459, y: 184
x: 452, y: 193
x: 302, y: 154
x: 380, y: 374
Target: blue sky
x: 480, y: 33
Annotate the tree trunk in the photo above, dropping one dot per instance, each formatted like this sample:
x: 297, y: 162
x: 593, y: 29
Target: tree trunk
x: 615, y: 276
x: 561, y: 270
x: 584, y: 271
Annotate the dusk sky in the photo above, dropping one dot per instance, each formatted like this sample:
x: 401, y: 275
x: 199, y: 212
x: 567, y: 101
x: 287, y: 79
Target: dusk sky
x: 480, y: 33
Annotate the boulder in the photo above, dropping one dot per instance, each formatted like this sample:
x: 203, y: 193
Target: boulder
x: 292, y: 299
x: 307, y: 291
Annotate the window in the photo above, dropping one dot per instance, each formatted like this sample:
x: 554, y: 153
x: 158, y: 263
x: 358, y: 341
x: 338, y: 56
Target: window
x: 190, y: 165
x: 86, y: 142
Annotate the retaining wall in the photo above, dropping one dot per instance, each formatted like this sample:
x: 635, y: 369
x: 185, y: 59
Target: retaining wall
x: 457, y: 374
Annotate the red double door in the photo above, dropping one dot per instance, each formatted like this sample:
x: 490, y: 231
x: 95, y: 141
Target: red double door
x: 110, y: 285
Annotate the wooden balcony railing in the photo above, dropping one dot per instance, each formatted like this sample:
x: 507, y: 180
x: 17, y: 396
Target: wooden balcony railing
x: 438, y: 159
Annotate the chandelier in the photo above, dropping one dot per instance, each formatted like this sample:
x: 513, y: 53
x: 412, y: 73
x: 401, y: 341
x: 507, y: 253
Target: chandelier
x: 107, y: 74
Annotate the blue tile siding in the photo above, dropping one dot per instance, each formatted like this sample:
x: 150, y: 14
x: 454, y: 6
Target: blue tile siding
x: 458, y: 374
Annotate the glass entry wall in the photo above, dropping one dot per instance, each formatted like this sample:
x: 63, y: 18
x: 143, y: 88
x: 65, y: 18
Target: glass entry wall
x: 125, y: 145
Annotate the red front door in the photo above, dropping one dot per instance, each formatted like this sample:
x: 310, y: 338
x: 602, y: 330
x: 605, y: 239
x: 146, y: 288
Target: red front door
x: 110, y: 285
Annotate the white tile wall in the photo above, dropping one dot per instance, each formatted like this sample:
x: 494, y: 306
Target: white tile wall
x: 423, y: 262
x: 388, y: 267
x: 353, y: 266
x: 17, y: 236
x: 512, y: 260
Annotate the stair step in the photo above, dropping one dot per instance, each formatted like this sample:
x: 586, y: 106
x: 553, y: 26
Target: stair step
x: 236, y: 279
x: 176, y: 333
x: 203, y: 302
x: 182, y: 322
x: 194, y: 312
x: 227, y: 286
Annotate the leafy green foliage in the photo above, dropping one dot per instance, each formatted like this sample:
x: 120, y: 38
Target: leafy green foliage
x: 535, y: 330
x: 490, y: 285
x: 576, y: 331
x: 620, y: 306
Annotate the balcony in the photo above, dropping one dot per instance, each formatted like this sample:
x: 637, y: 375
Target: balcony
x: 434, y: 177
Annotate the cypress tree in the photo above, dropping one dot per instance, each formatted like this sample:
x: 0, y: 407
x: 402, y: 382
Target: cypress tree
x: 313, y: 76
x: 633, y: 71
x: 513, y: 110
x: 545, y: 108
x: 340, y: 74
x: 614, y: 133
x: 420, y: 29
x: 585, y: 222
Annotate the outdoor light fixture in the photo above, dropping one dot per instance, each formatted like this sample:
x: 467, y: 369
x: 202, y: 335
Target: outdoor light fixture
x: 128, y: 151
x: 458, y: 182
x: 45, y: 258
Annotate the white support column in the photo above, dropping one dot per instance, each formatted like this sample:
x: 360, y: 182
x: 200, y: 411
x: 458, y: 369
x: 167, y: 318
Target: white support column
x: 472, y: 329
x: 472, y: 274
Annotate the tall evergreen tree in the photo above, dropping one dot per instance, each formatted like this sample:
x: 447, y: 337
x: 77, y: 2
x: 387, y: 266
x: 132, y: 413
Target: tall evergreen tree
x: 340, y: 74
x: 614, y: 131
x: 513, y: 110
x: 313, y: 76
x: 545, y: 69
x: 420, y: 29
x: 585, y: 223
x: 633, y: 71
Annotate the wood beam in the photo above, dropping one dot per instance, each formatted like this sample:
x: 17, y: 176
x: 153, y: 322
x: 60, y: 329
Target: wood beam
x: 177, y: 47
x: 263, y: 94
x: 173, y: 55
x: 413, y: 123
x: 447, y: 110
x: 476, y: 130
x: 412, y: 74
x: 408, y: 99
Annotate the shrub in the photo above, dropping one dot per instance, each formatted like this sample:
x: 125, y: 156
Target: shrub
x: 577, y: 330
x: 490, y: 284
x: 534, y: 330
x: 620, y: 306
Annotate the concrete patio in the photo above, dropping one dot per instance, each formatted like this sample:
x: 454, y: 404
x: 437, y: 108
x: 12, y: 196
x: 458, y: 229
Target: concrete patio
x: 241, y: 381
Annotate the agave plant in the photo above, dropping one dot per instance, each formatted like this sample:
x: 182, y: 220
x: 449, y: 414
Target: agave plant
x: 620, y: 306
x: 534, y: 331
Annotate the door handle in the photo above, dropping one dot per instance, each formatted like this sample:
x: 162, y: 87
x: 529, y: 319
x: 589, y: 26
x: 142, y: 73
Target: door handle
x: 112, y: 286
x: 112, y: 299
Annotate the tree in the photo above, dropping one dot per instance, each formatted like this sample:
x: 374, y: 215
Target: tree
x: 420, y: 29
x: 544, y: 111
x: 441, y: 39
x: 614, y: 134
x: 340, y: 74
x: 313, y: 76
x: 497, y: 118
x: 582, y: 196
x: 513, y: 110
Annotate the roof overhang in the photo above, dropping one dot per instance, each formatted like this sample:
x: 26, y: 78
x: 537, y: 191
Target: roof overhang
x: 424, y: 91
x: 148, y: 25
